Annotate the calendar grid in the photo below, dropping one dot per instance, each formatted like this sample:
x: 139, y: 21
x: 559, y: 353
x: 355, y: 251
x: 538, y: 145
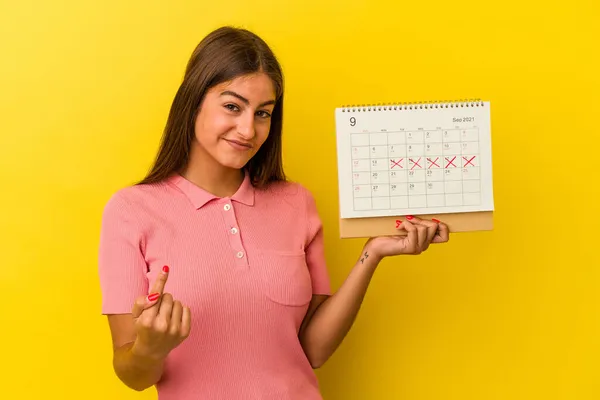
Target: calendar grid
x: 415, y: 169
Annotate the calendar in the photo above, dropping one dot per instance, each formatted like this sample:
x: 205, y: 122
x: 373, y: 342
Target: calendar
x: 411, y: 159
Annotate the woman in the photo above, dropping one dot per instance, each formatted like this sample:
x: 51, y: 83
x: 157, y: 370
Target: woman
x: 216, y: 232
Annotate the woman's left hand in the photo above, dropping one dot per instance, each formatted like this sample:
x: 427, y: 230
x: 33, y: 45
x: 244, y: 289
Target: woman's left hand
x: 420, y: 234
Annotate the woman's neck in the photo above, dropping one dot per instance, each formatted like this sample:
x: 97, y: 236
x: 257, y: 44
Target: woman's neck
x: 215, y: 179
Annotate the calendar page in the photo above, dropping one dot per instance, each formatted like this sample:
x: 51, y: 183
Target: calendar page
x: 411, y: 160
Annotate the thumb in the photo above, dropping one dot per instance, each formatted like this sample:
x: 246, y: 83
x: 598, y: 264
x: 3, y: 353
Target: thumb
x: 144, y: 302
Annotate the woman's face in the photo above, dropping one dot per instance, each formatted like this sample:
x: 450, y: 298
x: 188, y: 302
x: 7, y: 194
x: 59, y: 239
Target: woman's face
x: 234, y: 120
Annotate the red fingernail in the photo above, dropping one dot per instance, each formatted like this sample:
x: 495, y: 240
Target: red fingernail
x: 409, y: 217
x: 165, y: 269
x: 398, y: 222
x: 153, y: 296
x: 435, y: 220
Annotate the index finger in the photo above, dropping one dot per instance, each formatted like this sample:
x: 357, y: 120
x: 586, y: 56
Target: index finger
x: 443, y: 234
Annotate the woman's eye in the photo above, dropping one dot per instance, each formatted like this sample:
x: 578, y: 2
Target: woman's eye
x: 231, y: 107
x: 263, y: 114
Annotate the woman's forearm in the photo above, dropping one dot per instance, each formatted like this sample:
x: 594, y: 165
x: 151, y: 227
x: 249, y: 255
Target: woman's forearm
x: 134, y: 370
x: 334, y: 317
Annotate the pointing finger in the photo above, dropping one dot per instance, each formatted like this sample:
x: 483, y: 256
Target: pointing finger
x: 142, y: 303
x: 443, y: 233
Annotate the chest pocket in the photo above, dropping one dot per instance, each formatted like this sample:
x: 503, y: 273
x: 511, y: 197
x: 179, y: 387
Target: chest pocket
x: 284, y: 277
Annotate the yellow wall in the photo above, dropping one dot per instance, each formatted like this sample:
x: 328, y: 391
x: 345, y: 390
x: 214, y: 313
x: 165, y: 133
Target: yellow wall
x: 85, y: 88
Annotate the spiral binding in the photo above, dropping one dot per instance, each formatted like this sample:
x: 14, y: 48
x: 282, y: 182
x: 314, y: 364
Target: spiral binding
x: 412, y: 106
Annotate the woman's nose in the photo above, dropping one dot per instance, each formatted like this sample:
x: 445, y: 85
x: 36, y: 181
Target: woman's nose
x: 246, y: 127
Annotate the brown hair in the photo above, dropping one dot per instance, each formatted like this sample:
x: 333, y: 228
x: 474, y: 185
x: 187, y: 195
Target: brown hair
x: 221, y: 56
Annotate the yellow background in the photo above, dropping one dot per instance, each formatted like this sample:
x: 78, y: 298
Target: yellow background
x: 85, y: 87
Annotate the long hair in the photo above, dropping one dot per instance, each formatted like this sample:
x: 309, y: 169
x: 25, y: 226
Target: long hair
x: 221, y: 56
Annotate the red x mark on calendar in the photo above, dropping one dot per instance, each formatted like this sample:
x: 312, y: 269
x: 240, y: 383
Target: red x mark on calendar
x: 469, y: 161
x: 432, y: 162
x: 450, y: 162
x: 415, y: 163
x: 396, y: 163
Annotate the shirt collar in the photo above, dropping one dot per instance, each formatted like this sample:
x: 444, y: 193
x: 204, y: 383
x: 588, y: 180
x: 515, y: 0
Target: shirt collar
x: 199, y: 197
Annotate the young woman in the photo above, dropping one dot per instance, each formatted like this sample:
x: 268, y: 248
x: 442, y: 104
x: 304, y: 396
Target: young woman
x: 212, y: 268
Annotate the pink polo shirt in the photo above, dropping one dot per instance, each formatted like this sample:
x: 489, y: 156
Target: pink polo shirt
x: 247, y: 266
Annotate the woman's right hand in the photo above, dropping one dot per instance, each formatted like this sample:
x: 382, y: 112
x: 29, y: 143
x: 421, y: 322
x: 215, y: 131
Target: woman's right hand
x: 161, y: 323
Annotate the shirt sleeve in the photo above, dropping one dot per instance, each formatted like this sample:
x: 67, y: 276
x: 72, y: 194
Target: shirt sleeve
x: 315, y: 252
x: 121, y: 264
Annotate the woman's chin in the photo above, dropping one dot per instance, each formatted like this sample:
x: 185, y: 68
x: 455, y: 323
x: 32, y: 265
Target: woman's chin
x: 234, y: 162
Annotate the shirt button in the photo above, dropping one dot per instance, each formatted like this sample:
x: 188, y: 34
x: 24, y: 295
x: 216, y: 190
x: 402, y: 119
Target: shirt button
x: 227, y: 207
x: 240, y: 254
x: 234, y: 231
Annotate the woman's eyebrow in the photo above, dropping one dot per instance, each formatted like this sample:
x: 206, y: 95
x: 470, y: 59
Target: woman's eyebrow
x: 243, y: 99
